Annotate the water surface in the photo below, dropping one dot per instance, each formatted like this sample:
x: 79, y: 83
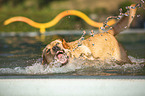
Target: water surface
x: 20, y: 54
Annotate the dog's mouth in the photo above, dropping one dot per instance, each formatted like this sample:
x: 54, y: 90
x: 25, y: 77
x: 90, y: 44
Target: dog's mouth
x: 61, y: 57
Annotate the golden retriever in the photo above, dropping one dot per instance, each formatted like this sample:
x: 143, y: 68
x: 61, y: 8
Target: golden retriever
x: 102, y: 46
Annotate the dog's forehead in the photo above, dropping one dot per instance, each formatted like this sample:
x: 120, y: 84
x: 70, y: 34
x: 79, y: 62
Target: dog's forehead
x: 53, y: 43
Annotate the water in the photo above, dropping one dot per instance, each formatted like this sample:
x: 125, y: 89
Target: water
x: 20, y: 54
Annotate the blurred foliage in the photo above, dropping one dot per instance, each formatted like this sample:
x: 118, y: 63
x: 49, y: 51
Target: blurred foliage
x: 37, y: 11
x: 27, y: 4
x: 41, y: 11
x: 12, y: 2
x: 37, y: 3
x: 40, y: 16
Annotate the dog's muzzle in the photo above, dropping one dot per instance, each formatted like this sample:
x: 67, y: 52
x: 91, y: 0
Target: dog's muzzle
x: 61, y: 57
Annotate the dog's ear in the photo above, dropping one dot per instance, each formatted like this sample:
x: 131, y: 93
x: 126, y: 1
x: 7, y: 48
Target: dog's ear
x: 65, y: 45
x: 43, y: 58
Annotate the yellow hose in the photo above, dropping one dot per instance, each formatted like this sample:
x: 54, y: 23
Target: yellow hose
x: 42, y: 26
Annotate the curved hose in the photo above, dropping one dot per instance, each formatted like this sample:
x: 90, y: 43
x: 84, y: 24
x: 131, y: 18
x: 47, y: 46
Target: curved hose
x: 51, y: 23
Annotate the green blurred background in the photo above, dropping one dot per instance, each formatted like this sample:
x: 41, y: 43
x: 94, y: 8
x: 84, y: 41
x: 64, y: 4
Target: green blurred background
x: 45, y: 10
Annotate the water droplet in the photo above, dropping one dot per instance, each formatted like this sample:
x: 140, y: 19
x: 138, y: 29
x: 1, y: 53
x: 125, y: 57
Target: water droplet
x: 120, y: 10
x: 110, y: 28
x: 142, y: 1
x: 84, y: 32
x: 127, y: 7
x: 125, y: 27
x: 138, y: 5
x: 138, y: 15
x: 133, y: 7
x: 102, y: 28
x: 79, y: 45
x: 118, y: 18
x: 92, y: 33
x: 82, y: 38
x: 126, y: 14
x: 68, y: 16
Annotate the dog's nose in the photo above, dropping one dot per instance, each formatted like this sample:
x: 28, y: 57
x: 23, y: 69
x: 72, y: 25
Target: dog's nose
x: 55, y: 48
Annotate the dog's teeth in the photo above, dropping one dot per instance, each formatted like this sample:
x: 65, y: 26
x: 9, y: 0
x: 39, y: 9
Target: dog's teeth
x: 58, y: 52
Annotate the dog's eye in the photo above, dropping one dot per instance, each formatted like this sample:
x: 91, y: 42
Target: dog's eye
x: 48, y: 50
x: 57, y: 44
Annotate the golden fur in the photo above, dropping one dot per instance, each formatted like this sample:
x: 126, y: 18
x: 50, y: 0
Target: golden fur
x: 101, y: 46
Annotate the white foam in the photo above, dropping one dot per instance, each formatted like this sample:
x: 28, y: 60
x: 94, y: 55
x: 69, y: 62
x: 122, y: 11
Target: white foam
x: 97, y: 65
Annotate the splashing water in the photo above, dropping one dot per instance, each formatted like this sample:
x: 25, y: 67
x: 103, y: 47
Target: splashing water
x: 92, y: 33
x: 80, y: 40
x: 83, y: 38
x: 38, y: 68
x: 83, y: 67
x: 121, y: 14
x: 80, y: 67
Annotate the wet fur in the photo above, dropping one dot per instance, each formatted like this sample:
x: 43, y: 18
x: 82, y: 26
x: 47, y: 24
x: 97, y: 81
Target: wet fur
x: 100, y: 46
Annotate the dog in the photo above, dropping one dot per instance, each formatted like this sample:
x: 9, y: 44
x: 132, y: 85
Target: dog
x: 102, y: 46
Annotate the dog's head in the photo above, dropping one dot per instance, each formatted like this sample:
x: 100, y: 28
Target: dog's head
x: 56, y: 50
